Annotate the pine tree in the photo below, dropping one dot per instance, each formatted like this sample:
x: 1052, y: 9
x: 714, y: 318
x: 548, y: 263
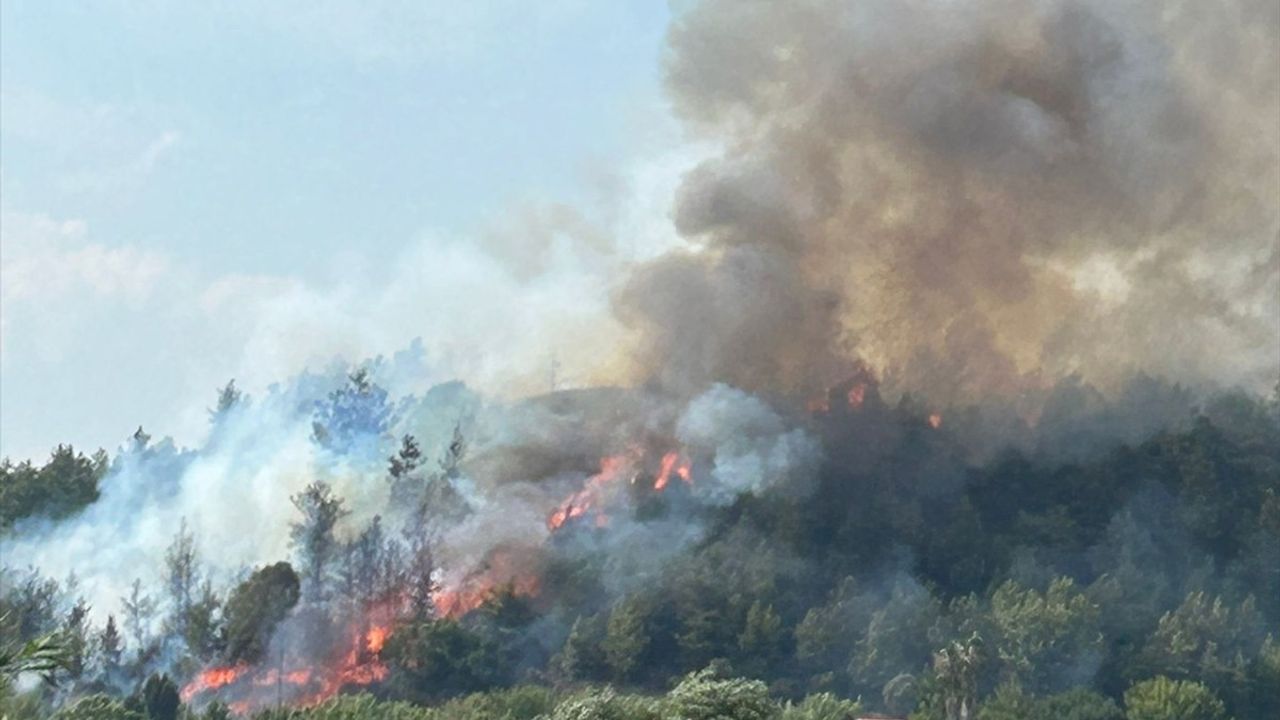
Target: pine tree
x: 181, y: 579
x: 75, y: 632
x: 139, y: 610
x: 110, y: 649
x: 313, y: 537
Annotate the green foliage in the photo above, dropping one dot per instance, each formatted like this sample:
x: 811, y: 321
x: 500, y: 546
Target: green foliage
x: 605, y: 704
x: 701, y: 696
x: 254, y: 609
x: 1010, y: 702
x: 435, y: 659
x: 1048, y: 641
x: 313, y: 536
x: 582, y: 657
x: 160, y: 698
x: 42, y: 656
x: 762, y: 641
x: 1207, y: 639
x: 1078, y: 704
x: 627, y: 639
x: 351, y: 707
x: 67, y: 482
x: 822, y: 706
x: 98, y: 707
x: 1164, y: 699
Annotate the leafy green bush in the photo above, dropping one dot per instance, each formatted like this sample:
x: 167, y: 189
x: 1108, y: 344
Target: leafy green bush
x: 1164, y: 699
x: 700, y: 696
x: 822, y: 706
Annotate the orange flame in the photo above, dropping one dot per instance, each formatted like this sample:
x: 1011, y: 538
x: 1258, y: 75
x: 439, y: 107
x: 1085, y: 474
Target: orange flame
x: 358, y: 664
x: 675, y: 463
x: 935, y: 420
x: 588, y: 498
x: 376, y: 637
x: 212, y: 679
x: 506, y: 567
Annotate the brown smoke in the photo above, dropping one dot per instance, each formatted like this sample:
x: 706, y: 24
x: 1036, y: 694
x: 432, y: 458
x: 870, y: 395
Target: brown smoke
x: 972, y: 196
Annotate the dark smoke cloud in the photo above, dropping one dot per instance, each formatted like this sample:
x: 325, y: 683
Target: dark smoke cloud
x: 976, y: 196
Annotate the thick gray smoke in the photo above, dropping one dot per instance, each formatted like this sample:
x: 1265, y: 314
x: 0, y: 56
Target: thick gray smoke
x: 973, y: 196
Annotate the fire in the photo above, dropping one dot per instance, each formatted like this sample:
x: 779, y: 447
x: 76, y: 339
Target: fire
x: 588, y: 498
x: 857, y: 394
x: 675, y: 463
x: 376, y: 637
x: 212, y: 679
x: 591, y: 497
x: 356, y: 662
x: 935, y: 420
x: 505, y: 568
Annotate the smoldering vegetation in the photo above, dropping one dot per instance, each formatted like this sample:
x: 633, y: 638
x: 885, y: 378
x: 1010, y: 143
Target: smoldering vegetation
x: 959, y: 393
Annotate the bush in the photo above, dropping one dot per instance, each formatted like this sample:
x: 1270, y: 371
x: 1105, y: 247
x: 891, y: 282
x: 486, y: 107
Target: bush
x: 606, y: 705
x: 1165, y: 699
x: 823, y: 706
x: 700, y: 696
x: 97, y: 707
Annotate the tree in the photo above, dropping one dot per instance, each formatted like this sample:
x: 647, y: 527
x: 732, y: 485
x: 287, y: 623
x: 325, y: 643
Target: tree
x: 701, y: 696
x: 898, y: 637
x: 182, y: 578
x: 360, y: 573
x: 229, y: 398
x: 160, y: 698
x: 956, y: 669
x: 1009, y: 702
x: 353, y: 418
x: 1164, y: 699
x: 255, y: 607
x: 64, y: 485
x: 203, y: 634
x: 405, y: 489
x: 822, y: 706
x: 626, y: 640
x: 582, y: 657
x: 43, y: 656
x: 1077, y: 704
x: 433, y: 659
x: 761, y: 640
x: 76, y: 635
x: 110, y: 650
x: 313, y: 537
x: 97, y: 707
x: 1047, y: 641
x: 1206, y: 639
x: 139, y: 610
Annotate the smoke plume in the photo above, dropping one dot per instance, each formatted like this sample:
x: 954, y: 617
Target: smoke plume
x: 971, y: 196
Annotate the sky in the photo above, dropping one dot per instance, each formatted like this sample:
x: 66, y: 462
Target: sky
x: 193, y: 192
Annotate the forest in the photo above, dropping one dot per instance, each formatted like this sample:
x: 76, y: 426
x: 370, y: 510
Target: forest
x: 802, y: 360
x: 1117, y: 558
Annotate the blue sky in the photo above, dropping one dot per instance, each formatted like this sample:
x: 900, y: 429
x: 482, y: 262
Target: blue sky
x: 174, y: 172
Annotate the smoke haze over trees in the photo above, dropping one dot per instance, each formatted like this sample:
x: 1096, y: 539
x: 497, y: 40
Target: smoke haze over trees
x: 959, y: 397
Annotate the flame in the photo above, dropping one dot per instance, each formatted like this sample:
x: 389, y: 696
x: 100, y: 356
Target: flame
x: 857, y: 394
x: 588, y: 498
x: 355, y: 663
x: 212, y: 679
x: 376, y: 637
x: 676, y: 463
x: 935, y: 420
x: 505, y: 567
